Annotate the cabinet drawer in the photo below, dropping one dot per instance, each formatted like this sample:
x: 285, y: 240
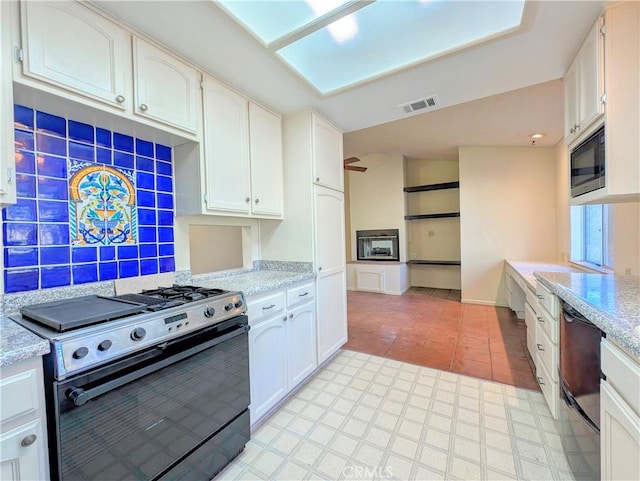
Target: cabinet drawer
x: 549, y: 389
x: 531, y: 344
x: 300, y: 294
x: 622, y: 372
x: 547, y: 300
x: 549, y: 324
x: 547, y: 353
x: 263, y: 307
x: 530, y: 318
x: 18, y: 395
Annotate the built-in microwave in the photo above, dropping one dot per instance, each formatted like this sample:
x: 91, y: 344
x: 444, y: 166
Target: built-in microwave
x: 588, y: 165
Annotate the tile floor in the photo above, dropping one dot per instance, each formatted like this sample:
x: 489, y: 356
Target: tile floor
x: 431, y: 327
x: 367, y: 417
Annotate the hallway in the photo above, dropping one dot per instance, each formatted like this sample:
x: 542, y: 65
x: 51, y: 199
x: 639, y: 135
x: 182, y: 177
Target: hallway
x: 432, y: 328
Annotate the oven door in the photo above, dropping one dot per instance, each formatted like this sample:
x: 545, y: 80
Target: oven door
x: 140, y: 417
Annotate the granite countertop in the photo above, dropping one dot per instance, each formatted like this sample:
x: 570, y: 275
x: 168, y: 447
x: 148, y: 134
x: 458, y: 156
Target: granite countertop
x: 254, y: 282
x: 18, y: 344
x: 527, y: 268
x: 611, y: 302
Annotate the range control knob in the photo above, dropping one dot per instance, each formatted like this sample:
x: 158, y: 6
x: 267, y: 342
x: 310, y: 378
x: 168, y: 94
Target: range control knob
x: 138, y: 334
x: 77, y: 396
x: 228, y: 307
x: 239, y: 303
x: 80, y: 352
x: 104, y: 345
x: 209, y: 311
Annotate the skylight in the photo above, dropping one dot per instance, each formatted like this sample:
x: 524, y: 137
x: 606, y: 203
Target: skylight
x: 335, y: 44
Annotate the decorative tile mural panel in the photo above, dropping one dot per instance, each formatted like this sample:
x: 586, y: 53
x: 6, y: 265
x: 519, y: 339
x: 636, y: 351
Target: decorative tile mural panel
x: 93, y: 205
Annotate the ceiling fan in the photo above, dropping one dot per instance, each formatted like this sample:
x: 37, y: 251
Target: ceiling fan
x: 347, y: 164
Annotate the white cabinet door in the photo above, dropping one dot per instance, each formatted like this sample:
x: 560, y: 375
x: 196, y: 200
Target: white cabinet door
x: 326, y: 153
x: 265, y: 133
x: 571, y: 112
x: 226, y: 147
x: 329, y: 217
x: 619, y: 437
x: 166, y: 89
x: 22, y: 451
x: 71, y: 46
x: 331, y: 302
x: 7, y: 148
x: 301, y: 346
x: 268, y: 365
x: 590, y: 79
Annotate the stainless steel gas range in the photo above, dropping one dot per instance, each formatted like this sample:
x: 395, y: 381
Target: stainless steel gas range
x: 145, y: 386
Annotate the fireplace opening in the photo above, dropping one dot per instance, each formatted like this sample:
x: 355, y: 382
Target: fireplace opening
x: 378, y: 245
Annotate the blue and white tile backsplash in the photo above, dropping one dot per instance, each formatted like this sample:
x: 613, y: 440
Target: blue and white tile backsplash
x: 93, y: 205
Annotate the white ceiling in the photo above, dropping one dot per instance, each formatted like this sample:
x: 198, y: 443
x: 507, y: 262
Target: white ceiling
x: 539, y: 52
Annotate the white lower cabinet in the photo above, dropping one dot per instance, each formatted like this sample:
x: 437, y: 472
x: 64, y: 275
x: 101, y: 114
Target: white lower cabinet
x: 282, y: 345
x: 23, y: 446
x: 332, y: 316
x: 619, y: 415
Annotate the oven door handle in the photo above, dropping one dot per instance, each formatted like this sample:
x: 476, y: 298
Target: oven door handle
x: 80, y: 396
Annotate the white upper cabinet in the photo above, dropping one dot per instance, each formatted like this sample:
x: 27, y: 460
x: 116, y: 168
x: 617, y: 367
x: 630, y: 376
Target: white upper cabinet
x: 622, y: 106
x: 584, y: 86
x: 166, y: 89
x: 7, y: 149
x: 226, y: 148
x: 265, y: 134
x: 326, y: 153
x: 71, y: 46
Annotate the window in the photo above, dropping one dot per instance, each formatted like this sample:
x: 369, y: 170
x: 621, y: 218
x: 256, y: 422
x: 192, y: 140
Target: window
x: 590, y: 235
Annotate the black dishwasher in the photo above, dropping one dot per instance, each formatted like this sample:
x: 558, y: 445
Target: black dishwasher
x: 579, y: 412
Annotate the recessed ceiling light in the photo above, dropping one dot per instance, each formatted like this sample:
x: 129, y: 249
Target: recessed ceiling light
x: 536, y: 136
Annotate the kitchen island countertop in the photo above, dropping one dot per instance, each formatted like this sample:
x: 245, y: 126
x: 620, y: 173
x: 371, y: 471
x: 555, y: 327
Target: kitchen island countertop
x: 18, y: 344
x: 611, y: 302
x: 253, y: 282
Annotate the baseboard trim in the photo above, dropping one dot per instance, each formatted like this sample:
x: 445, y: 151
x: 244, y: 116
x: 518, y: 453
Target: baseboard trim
x: 483, y: 302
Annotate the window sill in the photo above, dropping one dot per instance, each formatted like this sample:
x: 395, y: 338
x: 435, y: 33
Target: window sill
x: 587, y: 266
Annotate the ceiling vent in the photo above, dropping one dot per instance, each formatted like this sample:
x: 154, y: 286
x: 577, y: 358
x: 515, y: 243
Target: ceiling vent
x: 427, y: 103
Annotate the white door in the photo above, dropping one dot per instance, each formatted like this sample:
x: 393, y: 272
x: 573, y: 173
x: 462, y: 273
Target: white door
x: 167, y: 90
x: 267, y: 365
x: 22, y: 453
x: 619, y: 437
x: 326, y: 153
x: 331, y: 302
x: 265, y: 134
x: 301, y: 344
x: 590, y: 78
x: 73, y: 47
x: 226, y: 148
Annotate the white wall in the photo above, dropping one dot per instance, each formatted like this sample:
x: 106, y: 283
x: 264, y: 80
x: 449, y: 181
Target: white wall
x: 508, y: 211
x: 376, y: 198
x: 214, y: 248
x: 250, y: 238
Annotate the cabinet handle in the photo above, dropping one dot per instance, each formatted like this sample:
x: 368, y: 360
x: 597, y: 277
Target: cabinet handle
x: 540, y: 381
x: 319, y: 268
x: 270, y: 307
x: 257, y: 200
x: 28, y: 440
x: 247, y: 199
x: 317, y: 179
x: 539, y: 296
x: 120, y: 99
x: 302, y: 295
x: 576, y: 127
x: 144, y: 107
x: 572, y: 130
x: 540, y: 319
x: 284, y: 318
x: 540, y: 348
x: 291, y: 316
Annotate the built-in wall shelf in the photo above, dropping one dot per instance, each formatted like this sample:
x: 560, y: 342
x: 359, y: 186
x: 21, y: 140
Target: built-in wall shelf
x: 443, y: 215
x: 428, y: 187
x: 434, y: 263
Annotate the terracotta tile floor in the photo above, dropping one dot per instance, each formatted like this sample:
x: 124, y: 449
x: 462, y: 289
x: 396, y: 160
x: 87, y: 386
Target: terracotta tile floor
x: 431, y: 327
